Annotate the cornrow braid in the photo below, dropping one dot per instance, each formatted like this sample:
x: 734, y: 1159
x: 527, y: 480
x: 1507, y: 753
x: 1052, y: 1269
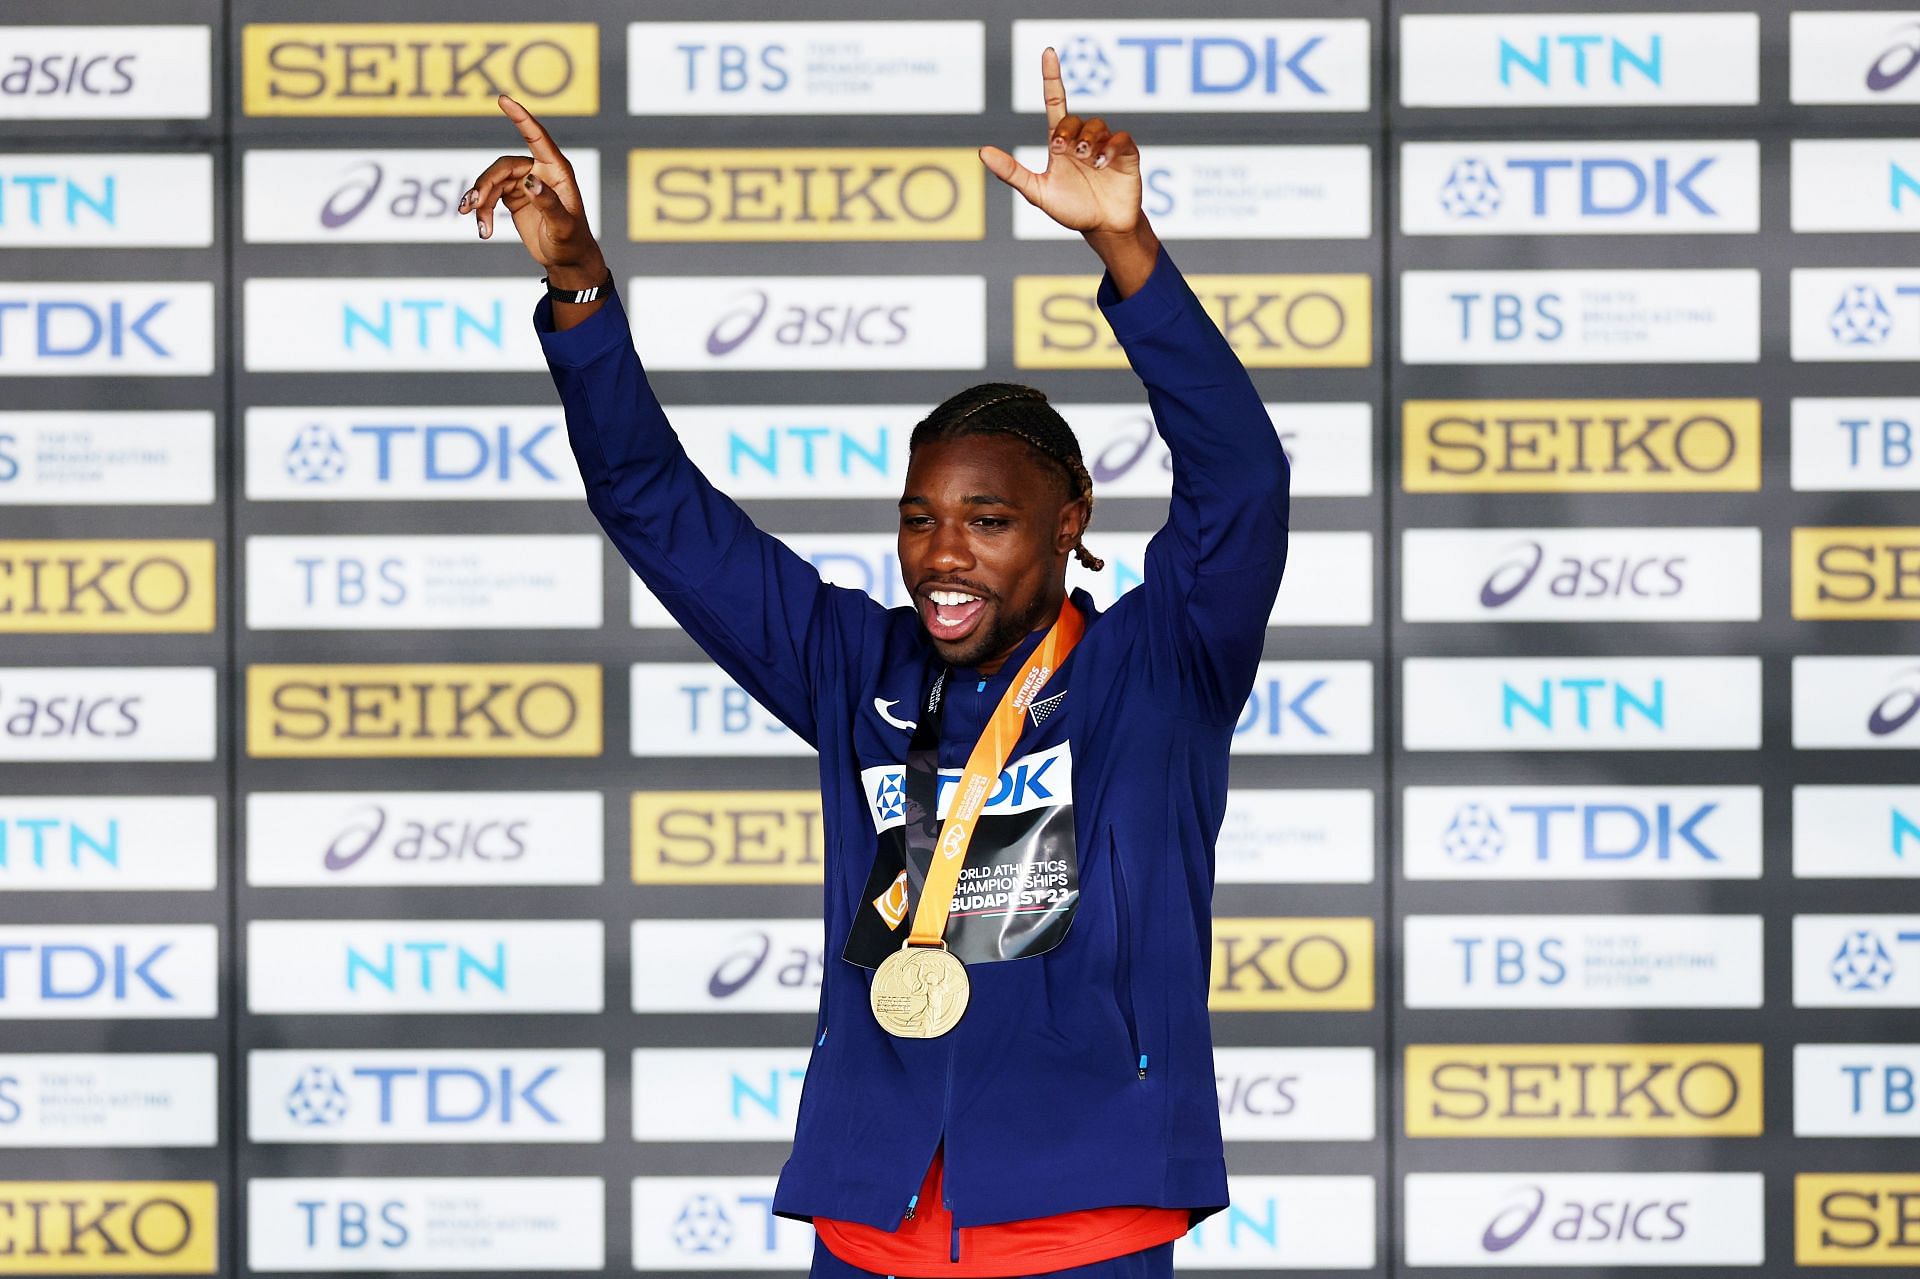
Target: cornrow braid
x: 1007, y: 408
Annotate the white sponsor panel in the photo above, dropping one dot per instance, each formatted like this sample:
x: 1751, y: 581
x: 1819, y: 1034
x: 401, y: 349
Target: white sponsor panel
x: 815, y: 451
x: 82, y: 843
x: 1295, y: 1094
x: 106, y: 73
x: 59, y: 458
x: 426, y: 1095
x: 1856, y: 703
x: 727, y: 965
x: 1597, y: 59
x: 1590, y: 1219
x: 693, y: 708
x: 60, y: 713
x: 1308, y: 708
x: 390, y: 324
x: 681, y: 709
x: 1582, y: 961
x: 424, y: 966
x: 417, y: 1225
x: 1854, y: 961
x: 439, y: 838
x: 1581, y: 703
x: 1856, y: 832
x: 1856, y: 443
x: 809, y: 321
x: 1856, y: 1090
x: 1236, y: 193
x: 1581, y: 832
x: 806, y: 68
x: 1285, y: 1223
x: 109, y: 971
x: 716, y: 1094
x: 365, y: 195
x: 413, y: 454
x: 1580, y: 317
x: 1856, y: 185
x: 1580, y: 575
x: 105, y: 201
x: 1296, y: 837
x: 1860, y: 56
x: 714, y: 1223
x: 135, y: 329
x: 132, y: 1100
x: 1579, y: 188
x: 1328, y: 582
x: 1855, y: 313
x: 520, y: 581
x: 1234, y: 65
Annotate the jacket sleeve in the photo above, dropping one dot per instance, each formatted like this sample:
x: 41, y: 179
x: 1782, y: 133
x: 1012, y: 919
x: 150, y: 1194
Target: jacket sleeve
x: 758, y: 609
x: 1213, y: 569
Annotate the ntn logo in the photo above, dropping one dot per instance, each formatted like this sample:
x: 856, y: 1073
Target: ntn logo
x: 773, y: 1090
x: 809, y: 450
x: 1547, y: 58
x: 425, y: 324
x: 420, y: 964
x: 33, y: 841
x: 62, y: 199
x: 1577, y: 699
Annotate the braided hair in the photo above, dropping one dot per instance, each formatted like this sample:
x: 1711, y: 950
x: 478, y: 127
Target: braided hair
x: 1007, y: 408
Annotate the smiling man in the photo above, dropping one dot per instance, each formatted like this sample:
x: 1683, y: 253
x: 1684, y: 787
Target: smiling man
x: 1012, y: 1069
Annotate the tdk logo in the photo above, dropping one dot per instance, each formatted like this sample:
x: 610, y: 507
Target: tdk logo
x: 1864, y: 962
x: 54, y: 971
x: 1201, y: 65
x: 1582, y: 832
x: 436, y: 1094
x: 1242, y: 64
x: 1589, y: 832
x: 357, y: 454
x: 1308, y: 708
x: 1609, y: 188
x: 1860, y: 316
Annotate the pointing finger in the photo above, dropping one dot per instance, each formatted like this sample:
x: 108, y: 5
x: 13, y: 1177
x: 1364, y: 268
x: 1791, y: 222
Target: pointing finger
x: 1051, y: 88
x: 539, y: 143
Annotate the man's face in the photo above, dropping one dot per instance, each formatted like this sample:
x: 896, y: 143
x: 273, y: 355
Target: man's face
x: 985, y: 530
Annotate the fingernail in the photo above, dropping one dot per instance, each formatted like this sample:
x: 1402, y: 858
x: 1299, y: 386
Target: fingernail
x: 1081, y: 149
x: 469, y: 197
x: 1101, y: 162
x: 484, y: 230
x: 533, y: 185
x: 1059, y: 144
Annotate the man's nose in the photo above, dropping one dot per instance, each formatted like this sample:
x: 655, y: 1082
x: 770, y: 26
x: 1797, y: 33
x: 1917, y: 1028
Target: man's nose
x: 951, y: 550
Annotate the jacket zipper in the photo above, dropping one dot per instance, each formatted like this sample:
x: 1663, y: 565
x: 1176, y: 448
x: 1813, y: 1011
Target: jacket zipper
x: 946, y: 1174
x: 1123, y: 976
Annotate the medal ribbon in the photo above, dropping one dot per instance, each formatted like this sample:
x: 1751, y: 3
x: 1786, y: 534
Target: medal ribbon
x: 989, y: 756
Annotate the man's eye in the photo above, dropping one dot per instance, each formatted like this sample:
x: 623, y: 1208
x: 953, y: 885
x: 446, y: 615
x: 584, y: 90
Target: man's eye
x: 991, y: 521
x: 916, y: 521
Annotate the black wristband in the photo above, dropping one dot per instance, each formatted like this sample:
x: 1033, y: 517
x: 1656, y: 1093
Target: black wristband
x: 579, y: 295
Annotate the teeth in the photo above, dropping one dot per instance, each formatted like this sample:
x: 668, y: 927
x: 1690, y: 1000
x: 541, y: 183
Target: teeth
x: 949, y: 597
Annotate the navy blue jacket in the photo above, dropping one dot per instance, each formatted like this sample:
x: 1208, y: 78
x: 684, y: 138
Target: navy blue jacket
x: 1082, y: 1077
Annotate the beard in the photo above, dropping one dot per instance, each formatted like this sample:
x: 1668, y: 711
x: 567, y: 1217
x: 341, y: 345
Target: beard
x: 1001, y: 634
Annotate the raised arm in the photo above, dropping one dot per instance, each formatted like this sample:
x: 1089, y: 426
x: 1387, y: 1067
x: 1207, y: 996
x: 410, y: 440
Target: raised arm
x: 759, y: 610
x: 1213, y: 570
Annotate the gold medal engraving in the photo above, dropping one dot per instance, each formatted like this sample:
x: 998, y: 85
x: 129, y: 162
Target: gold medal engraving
x: 919, y: 992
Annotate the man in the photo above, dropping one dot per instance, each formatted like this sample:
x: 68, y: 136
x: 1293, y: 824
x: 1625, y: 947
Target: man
x: 1012, y: 1071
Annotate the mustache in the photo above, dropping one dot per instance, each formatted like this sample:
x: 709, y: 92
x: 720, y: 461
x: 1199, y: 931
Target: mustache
x: 932, y: 584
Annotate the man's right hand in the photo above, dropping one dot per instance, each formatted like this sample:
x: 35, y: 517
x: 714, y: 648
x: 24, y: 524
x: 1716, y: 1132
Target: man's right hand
x: 540, y: 192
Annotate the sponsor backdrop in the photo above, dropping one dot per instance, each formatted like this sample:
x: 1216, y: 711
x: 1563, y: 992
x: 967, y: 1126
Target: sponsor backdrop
x: 387, y: 885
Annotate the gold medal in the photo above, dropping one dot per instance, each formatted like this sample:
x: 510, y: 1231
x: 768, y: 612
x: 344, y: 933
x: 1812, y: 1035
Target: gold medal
x: 919, y: 992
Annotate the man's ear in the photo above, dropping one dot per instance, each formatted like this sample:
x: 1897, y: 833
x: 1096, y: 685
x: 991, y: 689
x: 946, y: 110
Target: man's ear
x: 1073, y: 523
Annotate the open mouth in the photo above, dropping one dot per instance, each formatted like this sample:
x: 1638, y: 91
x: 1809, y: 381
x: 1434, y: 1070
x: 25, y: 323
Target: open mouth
x: 950, y: 614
